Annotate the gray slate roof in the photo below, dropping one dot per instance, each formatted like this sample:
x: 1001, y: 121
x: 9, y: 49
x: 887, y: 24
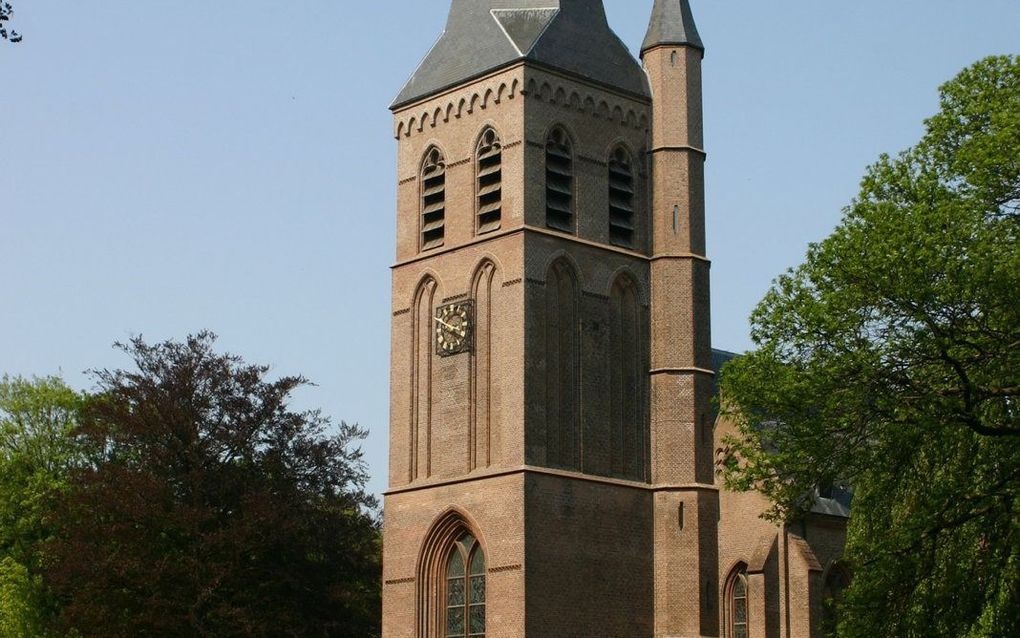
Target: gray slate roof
x: 672, y: 23
x: 484, y: 35
x: 838, y: 507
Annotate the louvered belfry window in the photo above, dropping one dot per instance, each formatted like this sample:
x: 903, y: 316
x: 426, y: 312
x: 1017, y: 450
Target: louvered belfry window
x: 465, y: 590
x: 621, y: 199
x: 559, y: 182
x: 490, y: 182
x: 433, y: 200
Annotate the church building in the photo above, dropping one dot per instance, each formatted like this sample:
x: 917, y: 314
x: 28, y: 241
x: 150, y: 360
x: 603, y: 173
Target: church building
x: 553, y: 438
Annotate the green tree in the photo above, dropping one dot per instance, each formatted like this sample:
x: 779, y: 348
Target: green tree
x: 6, y: 12
x: 214, y: 509
x: 891, y: 360
x: 37, y: 452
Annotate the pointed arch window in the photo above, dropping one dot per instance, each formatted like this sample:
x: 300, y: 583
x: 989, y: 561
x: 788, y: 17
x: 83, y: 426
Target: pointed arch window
x: 836, y: 582
x: 737, y: 618
x: 465, y: 589
x: 625, y: 379
x: 559, y: 182
x: 562, y: 366
x: 490, y: 182
x: 433, y: 199
x: 621, y: 199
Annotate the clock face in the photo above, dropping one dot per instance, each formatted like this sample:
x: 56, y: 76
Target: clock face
x: 454, y: 328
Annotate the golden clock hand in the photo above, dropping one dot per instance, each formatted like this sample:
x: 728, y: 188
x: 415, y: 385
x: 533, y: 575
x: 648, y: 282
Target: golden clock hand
x: 438, y: 320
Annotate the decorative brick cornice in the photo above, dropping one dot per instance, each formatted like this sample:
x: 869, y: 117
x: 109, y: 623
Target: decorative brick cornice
x: 401, y: 581
x: 594, y: 106
x: 482, y: 95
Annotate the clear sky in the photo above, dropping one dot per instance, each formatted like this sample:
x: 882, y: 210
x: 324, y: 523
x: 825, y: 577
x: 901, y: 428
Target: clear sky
x: 170, y: 166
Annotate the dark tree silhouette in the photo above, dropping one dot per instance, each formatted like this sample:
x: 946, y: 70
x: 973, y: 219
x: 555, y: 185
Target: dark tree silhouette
x: 213, y: 509
x: 6, y: 12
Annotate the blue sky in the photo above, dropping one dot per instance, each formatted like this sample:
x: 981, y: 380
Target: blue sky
x: 171, y: 166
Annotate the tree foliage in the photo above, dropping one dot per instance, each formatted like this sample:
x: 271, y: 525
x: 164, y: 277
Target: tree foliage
x: 37, y: 453
x: 6, y: 13
x: 891, y: 360
x: 213, y: 508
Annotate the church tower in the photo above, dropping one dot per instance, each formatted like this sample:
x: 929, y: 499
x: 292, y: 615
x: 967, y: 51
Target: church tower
x: 550, y: 430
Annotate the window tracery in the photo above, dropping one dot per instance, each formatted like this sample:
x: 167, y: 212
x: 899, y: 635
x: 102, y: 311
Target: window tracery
x: 737, y: 617
x: 465, y: 589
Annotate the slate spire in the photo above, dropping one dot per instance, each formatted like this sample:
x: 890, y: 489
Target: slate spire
x: 672, y: 24
x: 482, y: 36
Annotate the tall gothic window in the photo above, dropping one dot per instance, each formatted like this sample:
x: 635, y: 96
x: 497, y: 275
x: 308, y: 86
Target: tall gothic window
x: 559, y: 182
x: 490, y: 181
x: 433, y: 199
x: 736, y: 604
x: 625, y: 379
x: 465, y: 590
x: 562, y: 360
x: 420, y: 443
x: 621, y: 199
x: 482, y: 291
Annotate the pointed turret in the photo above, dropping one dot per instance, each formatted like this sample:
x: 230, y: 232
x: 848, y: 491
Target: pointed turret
x: 672, y: 24
x: 682, y: 378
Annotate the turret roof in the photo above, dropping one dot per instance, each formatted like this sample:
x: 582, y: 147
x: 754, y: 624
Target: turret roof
x: 484, y: 35
x: 672, y: 23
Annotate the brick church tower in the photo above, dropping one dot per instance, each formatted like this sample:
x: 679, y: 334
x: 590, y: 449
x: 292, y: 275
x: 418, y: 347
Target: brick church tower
x: 552, y: 431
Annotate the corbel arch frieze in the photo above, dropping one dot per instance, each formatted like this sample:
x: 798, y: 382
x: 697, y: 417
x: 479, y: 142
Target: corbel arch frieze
x: 594, y: 106
x: 457, y: 105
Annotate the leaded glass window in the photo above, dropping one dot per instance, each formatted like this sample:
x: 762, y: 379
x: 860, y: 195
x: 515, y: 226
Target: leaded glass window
x: 465, y: 590
x: 736, y: 607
